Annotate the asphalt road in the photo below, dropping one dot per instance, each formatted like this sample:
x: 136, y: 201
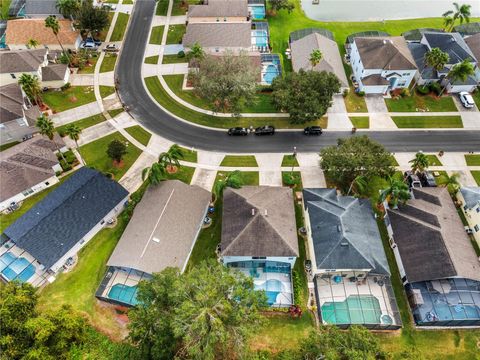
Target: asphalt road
x: 133, y: 94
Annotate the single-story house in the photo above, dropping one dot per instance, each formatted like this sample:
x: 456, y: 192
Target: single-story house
x: 436, y: 260
x: 318, y: 39
x: 161, y: 234
x: 20, y: 31
x: 473, y: 43
x: 17, y: 115
x: 469, y: 197
x: 41, y: 242
x: 457, y: 49
x: 350, y: 270
x: 41, y: 9
x: 381, y: 64
x: 259, y: 238
x: 219, y: 11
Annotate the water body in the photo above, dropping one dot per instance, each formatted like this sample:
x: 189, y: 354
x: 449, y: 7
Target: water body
x: 379, y: 10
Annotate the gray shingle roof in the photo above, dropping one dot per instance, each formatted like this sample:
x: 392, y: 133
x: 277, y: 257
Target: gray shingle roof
x: 222, y: 8
x: 163, y: 228
x: 21, y: 61
x: 388, y: 53
x: 219, y: 34
x: 331, y: 60
x: 451, y: 43
x: 471, y: 195
x: 374, y: 79
x: 344, y: 232
x: 473, y: 42
x: 54, y: 225
x: 271, y: 231
x: 54, y: 72
x: 41, y: 7
x: 431, y: 239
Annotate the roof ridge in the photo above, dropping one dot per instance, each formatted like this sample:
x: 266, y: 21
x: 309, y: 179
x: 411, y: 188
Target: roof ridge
x: 241, y: 232
x: 276, y: 232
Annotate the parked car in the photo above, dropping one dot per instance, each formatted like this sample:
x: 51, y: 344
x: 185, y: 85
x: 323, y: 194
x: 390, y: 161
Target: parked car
x: 265, y: 130
x: 111, y: 48
x: 88, y: 45
x: 237, y: 131
x: 412, y: 180
x: 466, y: 99
x: 90, y: 39
x: 427, y: 179
x: 313, y: 130
x: 109, y: 6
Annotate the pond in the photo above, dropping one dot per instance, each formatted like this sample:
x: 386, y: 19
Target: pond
x: 379, y: 10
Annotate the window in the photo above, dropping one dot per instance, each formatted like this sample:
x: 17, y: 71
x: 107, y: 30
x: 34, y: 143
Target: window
x: 258, y: 257
x: 13, y: 76
x: 28, y: 192
x: 102, y: 222
x: 401, y: 84
x: 224, y: 19
x: 406, y: 74
x: 218, y: 19
x: 477, y: 228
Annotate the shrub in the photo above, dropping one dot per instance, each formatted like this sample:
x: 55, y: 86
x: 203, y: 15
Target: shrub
x: 181, y: 54
x: 65, y: 166
x: 361, y: 93
x: 435, y: 87
x: 423, y: 89
x: 297, y: 286
x: 290, y: 179
x: 345, y: 93
x: 66, y: 86
x: 405, y: 92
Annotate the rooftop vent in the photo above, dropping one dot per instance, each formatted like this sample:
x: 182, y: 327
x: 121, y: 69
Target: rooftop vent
x: 344, y: 243
x: 157, y: 240
x: 339, y: 228
x: 266, y: 212
x: 253, y: 212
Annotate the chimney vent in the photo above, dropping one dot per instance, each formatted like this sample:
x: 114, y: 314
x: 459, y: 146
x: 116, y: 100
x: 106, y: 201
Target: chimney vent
x: 266, y: 212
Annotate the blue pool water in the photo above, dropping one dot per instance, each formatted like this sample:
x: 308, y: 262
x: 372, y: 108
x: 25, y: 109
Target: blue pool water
x: 259, y: 38
x: 14, y: 268
x: 123, y: 293
x: 272, y: 288
x: 271, y: 73
x: 257, y: 11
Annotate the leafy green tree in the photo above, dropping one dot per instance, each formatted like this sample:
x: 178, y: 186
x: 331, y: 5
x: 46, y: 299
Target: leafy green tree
x: 315, y: 57
x: 419, y: 162
x: 395, y: 192
x: 92, y: 19
x: 31, y: 87
x: 447, y: 22
x: 68, y: 8
x: 358, y: 185
x: 305, y: 95
x: 233, y: 180
x: 51, y: 22
x: 227, y: 82
x: 171, y: 157
x: 116, y: 150
x: 47, y: 128
x: 460, y: 12
x: 435, y: 58
x: 450, y: 181
x: 196, y: 53
x: 460, y: 71
x: 277, y: 5
x: 73, y: 131
x: 353, y: 157
x: 205, y: 314
x: 155, y: 173
x: 32, y: 44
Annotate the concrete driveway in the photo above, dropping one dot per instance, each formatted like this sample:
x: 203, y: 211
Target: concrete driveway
x: 337, y: 114
x: 461, y: 108
x: 375, y: 104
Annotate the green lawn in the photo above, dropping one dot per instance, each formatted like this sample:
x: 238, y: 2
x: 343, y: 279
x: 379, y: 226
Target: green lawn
x: 108, y: 63
x: 83, y: 123
x: 106, y: 91
x: 289, y: 160
x: 428, y: 121
x: 360, y: 122
x: 156, y: 35
x: 159, y: 94
x: 239, y: 161
x: 102, y: 35
x: 296, y: 176
x: 355, y: 103
x: 476, y: 176
x: 189, y: 155
x: 71, y: 98
x: 173, y: 59
x: 248, y: 177
x: 95, y: 155
x: 4, y: 6
x: 184, y: 173
x: 9, y: 145
x: 162, y: 7
x: 139, y: 134
x: 152, y: 59
x: 115, y: 112
x: 433, y: 160
x: 180, y: 7
x: 472, y: 160
x: 476, y: 98
x: 175, y: 34
x: 263, y: 102
x: 120, y: 27
x: 417, y: 102
x: 90, y: 67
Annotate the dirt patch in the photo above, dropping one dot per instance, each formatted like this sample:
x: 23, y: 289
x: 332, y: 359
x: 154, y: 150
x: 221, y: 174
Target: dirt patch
x: 172, y: 169
x: 118, y: 164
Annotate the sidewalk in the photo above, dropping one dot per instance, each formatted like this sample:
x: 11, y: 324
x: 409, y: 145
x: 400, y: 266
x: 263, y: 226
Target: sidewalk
x: 75, y: 114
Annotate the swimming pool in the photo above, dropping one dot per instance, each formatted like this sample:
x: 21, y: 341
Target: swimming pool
x: 123, y: 293
x: 259, y: 38
x: 272, y: 288
x: 269, y: 73
x: 356, y: 309
x: 16, y: 268
x: 257, y: 11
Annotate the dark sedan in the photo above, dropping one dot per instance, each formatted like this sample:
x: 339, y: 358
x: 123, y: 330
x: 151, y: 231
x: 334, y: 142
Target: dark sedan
x: 265, y: 130
x: 313, y: 130
x: 237, y: 131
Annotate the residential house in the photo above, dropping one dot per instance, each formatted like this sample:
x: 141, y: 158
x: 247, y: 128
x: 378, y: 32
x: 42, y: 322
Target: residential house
x: 44, y: 240
x: 473, y: 43
x: 436, y: 259
x: 41, y: 9
x: 17, y: 115
x: 469, y: 197
x: 161, y: 234
x: 3, y: 29
x: 349, y: 268
x: 467, y: 29
x: 216, y: 11
x: 38, y: 62
x: 259, y: 238
x: 457, y: 49
x: 381, y: 63
x: 304, y: 42
x: 20, y: 31
x: 16, y: 9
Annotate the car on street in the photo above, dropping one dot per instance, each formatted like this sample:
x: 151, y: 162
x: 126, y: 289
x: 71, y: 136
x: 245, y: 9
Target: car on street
x: 313, y: 130
x: 466, y: 99
x: 427, y: 179
x: 111, y: 48
x: 265, y: 130
x: 237, y: 131
x: 413, y: 180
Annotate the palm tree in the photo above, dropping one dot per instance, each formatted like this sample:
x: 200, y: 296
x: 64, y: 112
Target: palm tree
x: 155, y: 173
x: 315, y: 57
x: 68, y: 8
x: 435, y: 58
x: 358, y: 185
x: 460, y: 12
x: 51, y: 22
x: 449, y: 181
x: 47, y: 128
x: 396, y: 191
x: 31, y: 87
x: 172, y: 157
x: 419, y: 162
x: 233, y: 180
x: 73, y: 131
x: 447, y: 22
x: 196, y: 52
x: 32, y: 44
x: 460, y: 71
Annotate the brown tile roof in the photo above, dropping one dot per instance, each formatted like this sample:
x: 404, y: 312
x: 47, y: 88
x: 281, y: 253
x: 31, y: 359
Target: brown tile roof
x: 228, y: 8
x: 219, y: 34
x: 54, y: 72
x: 388, y: 53
x: 21, y: 30
x: 21, y: 61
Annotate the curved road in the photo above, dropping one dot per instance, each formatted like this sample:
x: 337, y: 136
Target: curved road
x: 133, y: 94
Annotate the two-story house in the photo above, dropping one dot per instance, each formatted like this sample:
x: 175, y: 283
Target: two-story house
x: 381, y: 64
x: 469, y: 197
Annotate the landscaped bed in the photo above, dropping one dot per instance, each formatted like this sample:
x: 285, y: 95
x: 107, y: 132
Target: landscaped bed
x: 428, y: 121
x: 70, y: 98
x: 139, y: 134
x: 415, y: 103
x: 239, y: 161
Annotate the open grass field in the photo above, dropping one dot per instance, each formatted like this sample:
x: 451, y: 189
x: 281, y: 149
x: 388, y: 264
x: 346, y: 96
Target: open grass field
x: 83, y: 123
x: 239, y: 161
x: 70, y: 98
x: 139, y: 134
x: 417, y: 102
x: 289, y: 160
x: 120, y: 27
x: 410, y: 122
x: 472, y: 160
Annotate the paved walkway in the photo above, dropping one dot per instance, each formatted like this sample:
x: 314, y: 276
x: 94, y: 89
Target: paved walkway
x: 78, y: 113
